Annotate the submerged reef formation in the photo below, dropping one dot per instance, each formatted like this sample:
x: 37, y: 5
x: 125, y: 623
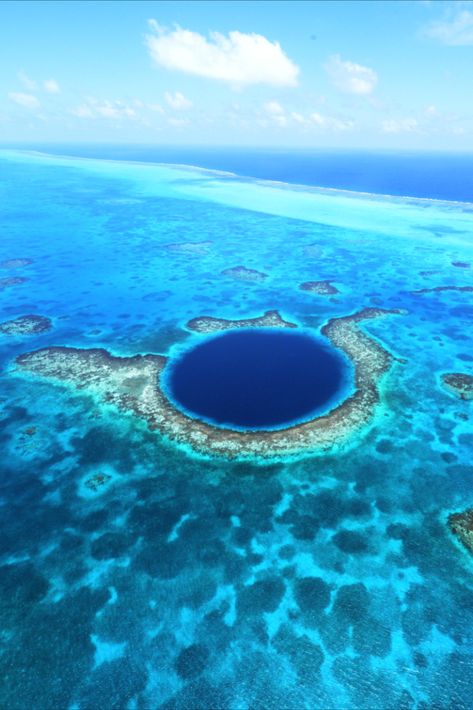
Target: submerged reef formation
x: 26, y: 325
x: 241, y: 273
x: 207, y: 324
x: 97, y: 481
x: 429, y: 273
x: 133, y: 384
x: 190, y: 247
x: 461, y: 525
x: 321, y: 288
x: 28, y: 440
x: 438, y: 289
x: 11, y: 281
x: 314, y: 250
x: 458, y: 383
x: 15, y: 263
x: 461, y: 264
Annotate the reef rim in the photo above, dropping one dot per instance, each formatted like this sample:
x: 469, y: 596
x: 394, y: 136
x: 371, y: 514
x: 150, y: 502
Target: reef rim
x: 133, y: 384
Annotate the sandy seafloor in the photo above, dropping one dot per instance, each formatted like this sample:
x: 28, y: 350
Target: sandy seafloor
x: 321, y: 582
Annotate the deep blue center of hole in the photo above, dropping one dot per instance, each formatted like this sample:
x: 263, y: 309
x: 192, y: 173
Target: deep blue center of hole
x: 257, y: 378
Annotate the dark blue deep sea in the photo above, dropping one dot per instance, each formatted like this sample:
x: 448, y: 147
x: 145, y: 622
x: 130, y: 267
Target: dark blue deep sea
x: 257, y: 379
x: 136, y: 573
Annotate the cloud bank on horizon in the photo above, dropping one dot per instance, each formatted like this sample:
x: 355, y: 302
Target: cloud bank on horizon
x: 264, y: 78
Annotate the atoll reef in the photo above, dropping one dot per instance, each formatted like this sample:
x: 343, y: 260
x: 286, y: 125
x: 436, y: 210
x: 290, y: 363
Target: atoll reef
x: 461, y: 525
x: 321, y: 288
x: 15, y: 263
x: 458, y: 383
x: 439, y: 289
x: 11, y: 281
x: 190, y: 247
x: 133, y: 384
x: 241, y: 273
x: 207, y: 324
x: 26, y: 325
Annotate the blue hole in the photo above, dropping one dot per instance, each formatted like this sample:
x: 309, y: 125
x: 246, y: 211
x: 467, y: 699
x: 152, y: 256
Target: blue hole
x: 257, y: 379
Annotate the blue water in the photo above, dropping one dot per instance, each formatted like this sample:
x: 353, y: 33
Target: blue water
x: 434, y: 175
x: 324, y: 581
x: 257, y: 379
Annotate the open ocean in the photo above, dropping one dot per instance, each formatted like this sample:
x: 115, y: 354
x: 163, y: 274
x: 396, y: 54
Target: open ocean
x: 138, y: 573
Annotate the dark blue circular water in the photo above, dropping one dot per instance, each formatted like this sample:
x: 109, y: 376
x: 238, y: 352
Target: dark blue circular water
x: 257, y: 379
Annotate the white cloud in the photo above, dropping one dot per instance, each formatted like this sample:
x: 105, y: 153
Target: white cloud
x: 403, y: 125
x: 455, y: 30
x: 332, y: 123
x: 431, y: 121
x: 298, y: 118
x: 238, y: 58
x: 177, y: 101
x: 83, y: 111
x: 95, y: 108
x: 434, y: 120
x: 109, y: 109
x: 317, y: 118
x: 431, y: 111
x: 351, y: 78
x: 51, y: 86
x: 178, y: 122
x: 26, y: 81
x: 156, y: 107
x: 276, y: 113
x: 27, y: 100
x: 342, y: 124
x: 281, y: 121
x: 274, y: 108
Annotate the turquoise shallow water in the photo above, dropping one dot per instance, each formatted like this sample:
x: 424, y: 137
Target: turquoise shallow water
x: 325, y: 582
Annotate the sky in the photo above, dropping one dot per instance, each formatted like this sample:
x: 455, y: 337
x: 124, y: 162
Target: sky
x: 356, y: 74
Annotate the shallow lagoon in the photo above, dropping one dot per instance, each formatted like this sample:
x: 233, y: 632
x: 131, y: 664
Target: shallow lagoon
x: 325, y: 581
